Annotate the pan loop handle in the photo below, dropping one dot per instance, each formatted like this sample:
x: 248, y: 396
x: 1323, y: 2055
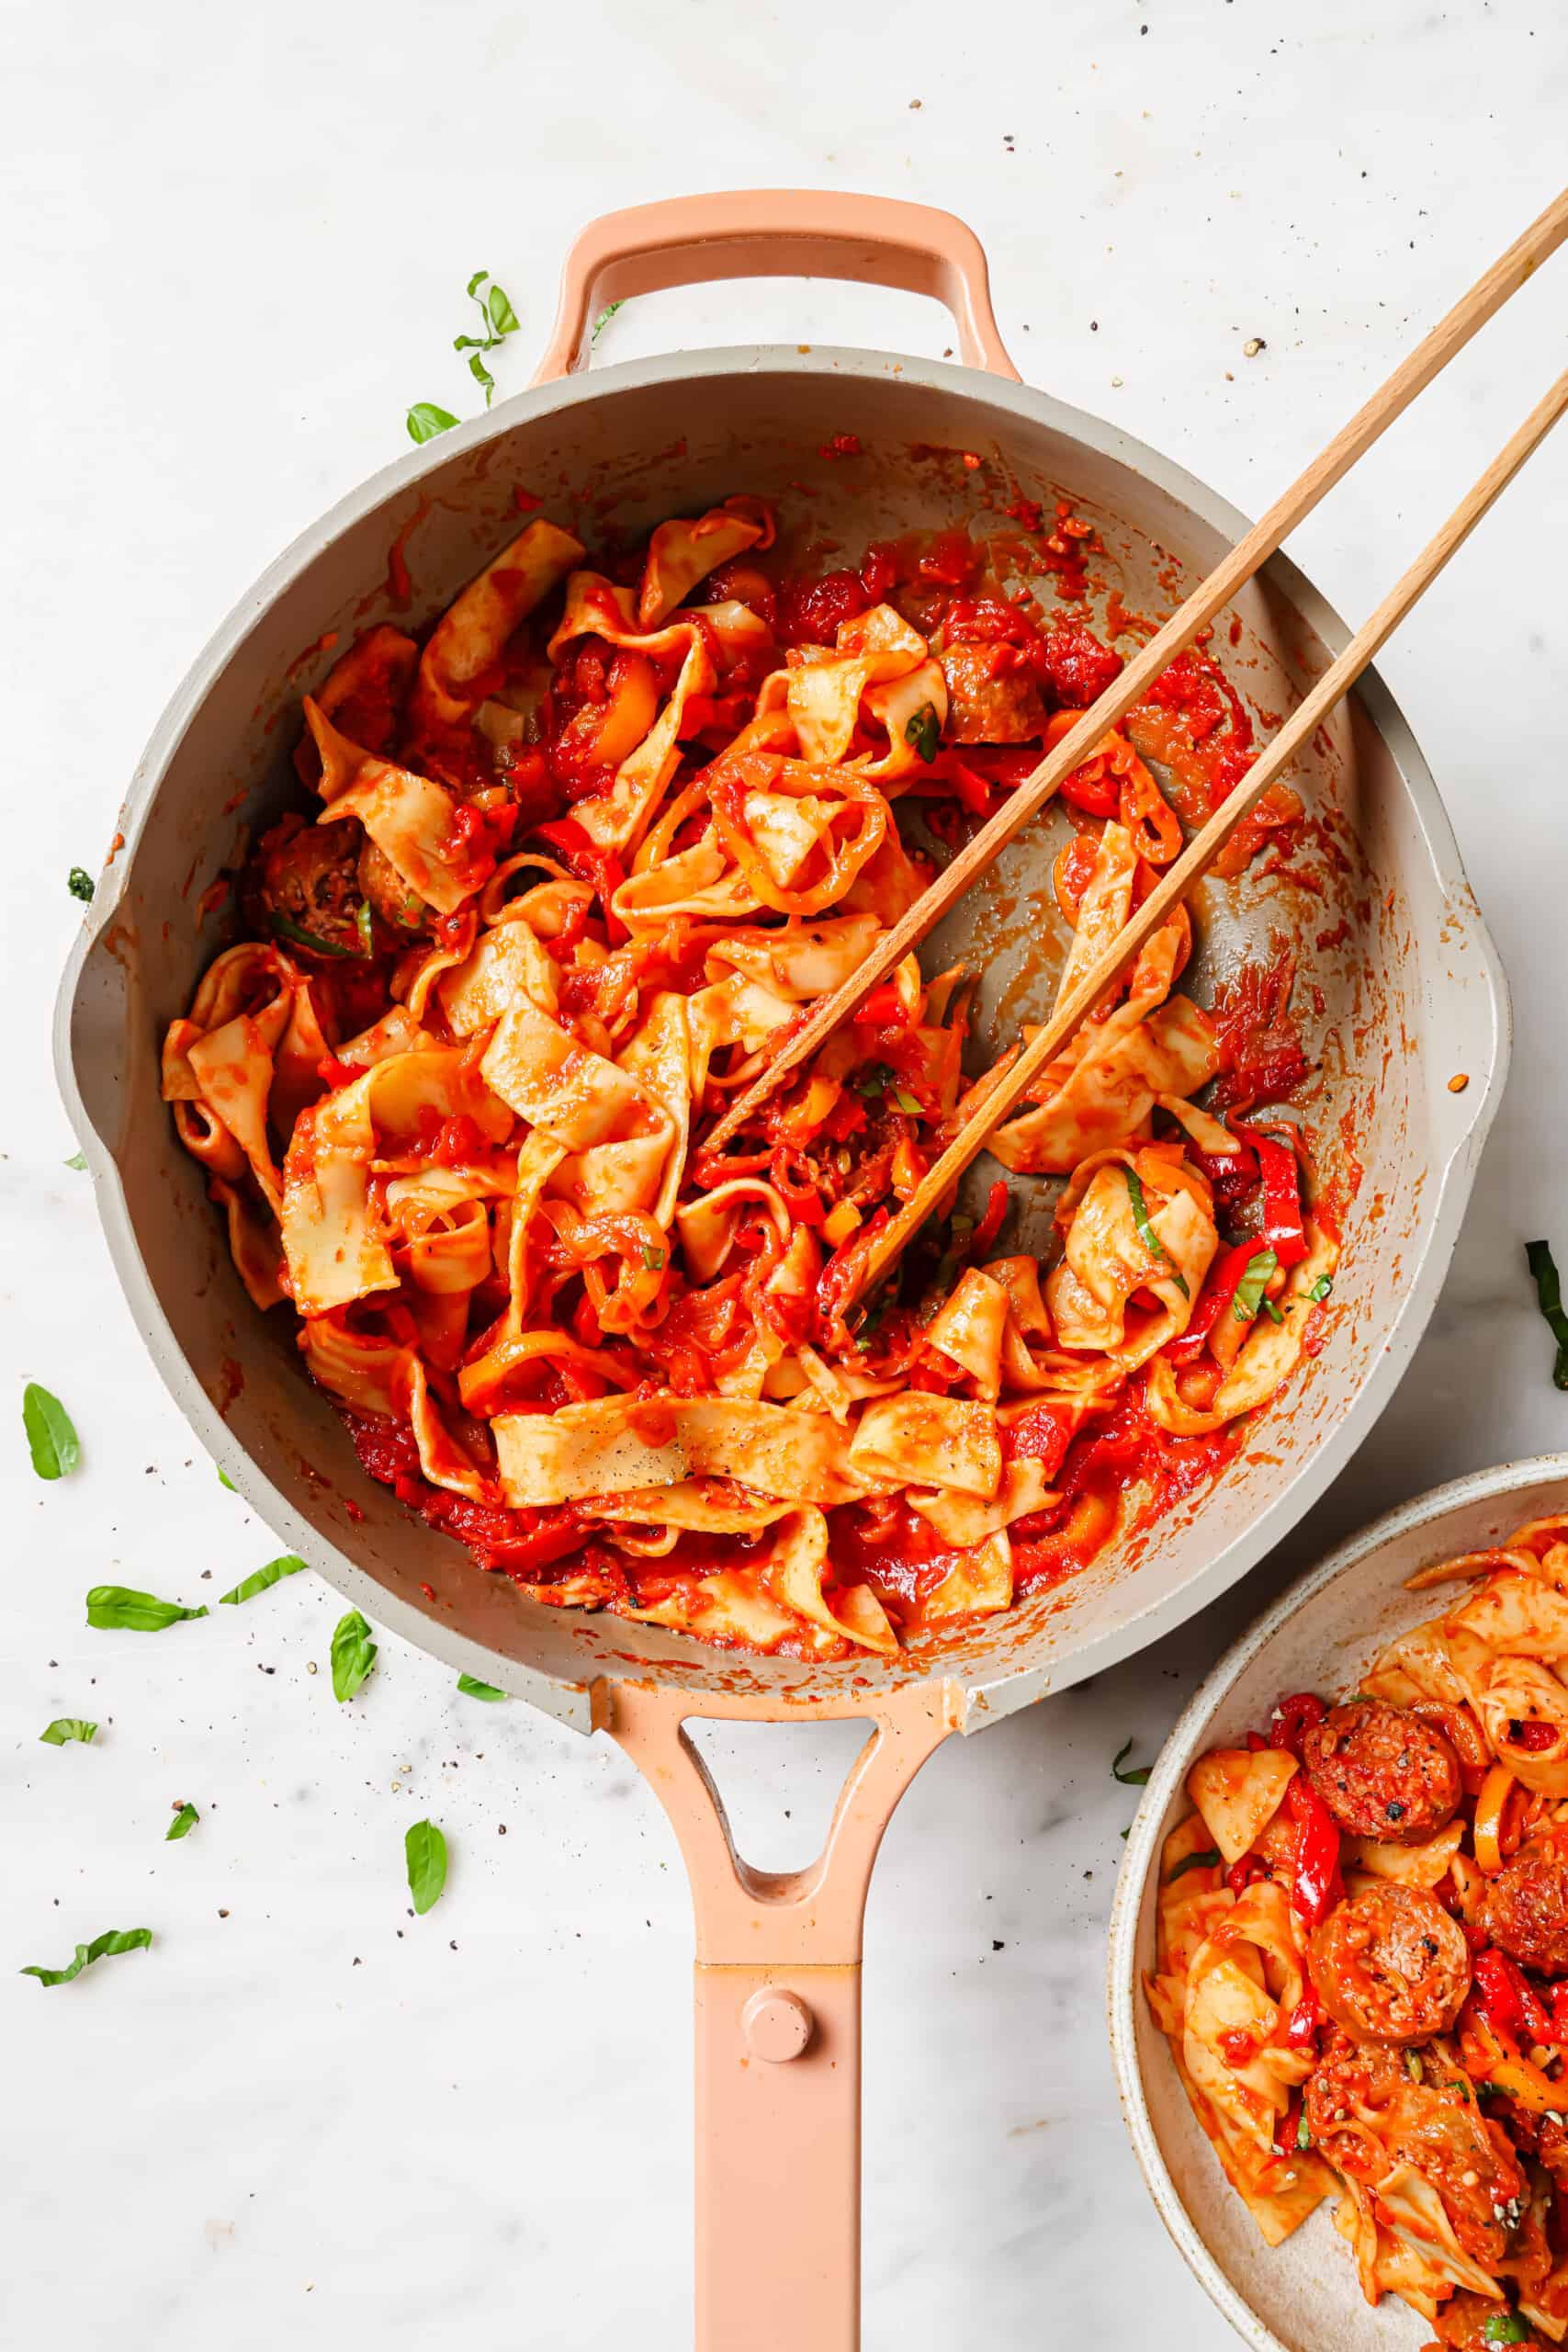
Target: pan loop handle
x: 776, y: 232
x: 777, y: 2030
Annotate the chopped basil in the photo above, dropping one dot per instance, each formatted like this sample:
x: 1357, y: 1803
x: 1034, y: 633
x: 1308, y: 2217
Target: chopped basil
x: 424, y: 420
x: 51, y: 1437
x: 66, y: 1727
x: 1503, y: 2327
x: 288, y: 1564
x: 1272, y: 1312
x: 1147, y: 1233
x: 299, y: 937
x: 183, y: 1821
x: 353, y: 1654
x: 1320, y: 1289
x: 116, y: 1608
x: 606, y: 315
x: 364, y: 922
x: 498, y: 319
x: 1549, y: 1296
x: 1255, y: 1281
x: 426, y: 1850
x: 113, y: 1940
x: 653, y: 1259
x: 924, y: 732
x: 80, y: 884
x: 906, y: 1101
x: 873, y: 1081
x: 1137, y: 1777
x: 1203, y: 1861
x: 472, y: 1688
x: 77, y: 1159
x: 1304, y: 2137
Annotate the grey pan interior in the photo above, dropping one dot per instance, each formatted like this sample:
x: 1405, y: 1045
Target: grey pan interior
x: 1396, y: 972
x: 1318, y: 1637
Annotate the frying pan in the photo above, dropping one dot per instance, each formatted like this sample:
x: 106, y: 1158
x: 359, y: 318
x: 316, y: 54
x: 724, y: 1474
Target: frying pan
x: 1397, y: 981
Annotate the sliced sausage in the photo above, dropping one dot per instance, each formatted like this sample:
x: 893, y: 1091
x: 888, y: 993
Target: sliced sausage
x: 991, y: 698
x: 1391, y: 1966
x: 305, y: 875
x: 1382, y: 1773
x: 1525, y: 1910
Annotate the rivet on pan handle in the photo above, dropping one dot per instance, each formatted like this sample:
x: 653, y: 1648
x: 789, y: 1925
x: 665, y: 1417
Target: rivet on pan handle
x: 776, y: 232
x: 778, y: 1976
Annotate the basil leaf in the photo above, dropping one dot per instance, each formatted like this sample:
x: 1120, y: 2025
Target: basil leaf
x: 1320, y: 1289
x: 653, y: 1259
x: 1275, y: 1314
x: 297, y: 937
x: 424, y: 420
x: 1147, y: 1233
x: 81, y: 885
x: 1304, y: 2137
x: 906, y: 1101
x: 183, y: 1821
x: 503, y: 319
x: 1503, y: 2327
x: 606, y: 315
x: 873, y: 1081
x: 1260, y: 1269
x: 1203, y: 1861
x: 481, y: 375
x: 77, y: 1159
x: 51, y: 1437
x: 66, y: 1727
x: 475, y: 282
x: 353, y: 1654
x: 472, y: 1688
x: 115, y: 1608
x: 1134, y: 1780
x: 287, y: 1564
x: 113, y: 1940
x: 364, y: 923
x: 224, y: 1479
x: 924, y: 731
x: 1549, y: 1296
x: 426, y: 1850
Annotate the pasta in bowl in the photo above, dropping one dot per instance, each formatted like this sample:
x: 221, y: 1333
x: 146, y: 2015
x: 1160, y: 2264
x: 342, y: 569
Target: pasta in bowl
x: 565, y: 868
x: 1345, y: 1917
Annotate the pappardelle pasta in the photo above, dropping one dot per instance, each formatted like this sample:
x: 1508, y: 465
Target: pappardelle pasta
x: 580, y: 858
x: 1362, y: 1957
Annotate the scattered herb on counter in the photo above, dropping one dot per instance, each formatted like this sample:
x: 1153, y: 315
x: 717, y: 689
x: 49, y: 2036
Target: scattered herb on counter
x: 924, y: 732
x: 1147, y: 1233
x: 606, y: 315
x: 353, y: 1654
x: 1137, y: 1777
x: 1549, y: 1294
x: 116, y: 1608
x: 1203, y: 1861
x: 113, y: 1940
x: 224, y: 1480
x: 425, y: 420
x: 1258, y: 1273
x: 81, y: 885
x: 498, y: 319
x: 51, y: 1436
x: 67, y: 1727
x: 426, y: 1850
x: 78, y: 1160
x: 288, y: 1564
x: 472, y: 1688
x: 183, y: 1821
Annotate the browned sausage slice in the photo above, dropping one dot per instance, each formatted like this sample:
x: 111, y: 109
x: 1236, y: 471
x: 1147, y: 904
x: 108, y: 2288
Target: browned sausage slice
x: 1382, y: 1773
x: 1525, y: 1910
x: 991, y: 699
x: 1390, y: 1967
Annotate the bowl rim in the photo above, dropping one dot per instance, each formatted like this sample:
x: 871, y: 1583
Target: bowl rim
x: 1121, y: 1985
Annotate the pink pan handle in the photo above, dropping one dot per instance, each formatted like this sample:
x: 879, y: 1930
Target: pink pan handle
x: 778, y: 1975
x: 776, y: 232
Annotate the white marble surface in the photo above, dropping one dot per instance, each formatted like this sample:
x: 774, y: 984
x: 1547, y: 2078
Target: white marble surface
x: 236, y: 242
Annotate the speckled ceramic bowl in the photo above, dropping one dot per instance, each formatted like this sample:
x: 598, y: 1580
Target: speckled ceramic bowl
x: 1303, y: 2295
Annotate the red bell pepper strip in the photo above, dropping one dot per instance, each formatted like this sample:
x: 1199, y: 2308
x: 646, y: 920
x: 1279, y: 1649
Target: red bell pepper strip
x: 990, y: 1224
x: 1559, y: 2015
x: 1508, y: 1998
x: 1213, y: 1300
x: 791, y: 1176
x: 1318, y: 1886
x: 589, y: 864
x: 1302, y: 2025
x: 1300, y: 1713
x: 1231, y: 1174
x: 1284, y: 1228
x: 884, y: 1008
x: 1245, y: 1873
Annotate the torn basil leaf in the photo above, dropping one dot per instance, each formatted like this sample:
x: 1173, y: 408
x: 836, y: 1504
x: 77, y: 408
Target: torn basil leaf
x: 353, y: 1654
x: 113, y: 1940
x: 1203, y: 1861
x: 117, y: 1608
x: 1548, y: 1297
x: 472, y: 1688
x: 288, y: 1564
x: 426, y: 1849
x: 51, y: 1436
x: 1261, y: 1268
x: 80, y: 884
x: 1147, y: 1233
x: 1137, y: 1777
x: 924, y: 732
x: 67, y: 1727
x: 425, y: 420
x: 183, y: 1821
